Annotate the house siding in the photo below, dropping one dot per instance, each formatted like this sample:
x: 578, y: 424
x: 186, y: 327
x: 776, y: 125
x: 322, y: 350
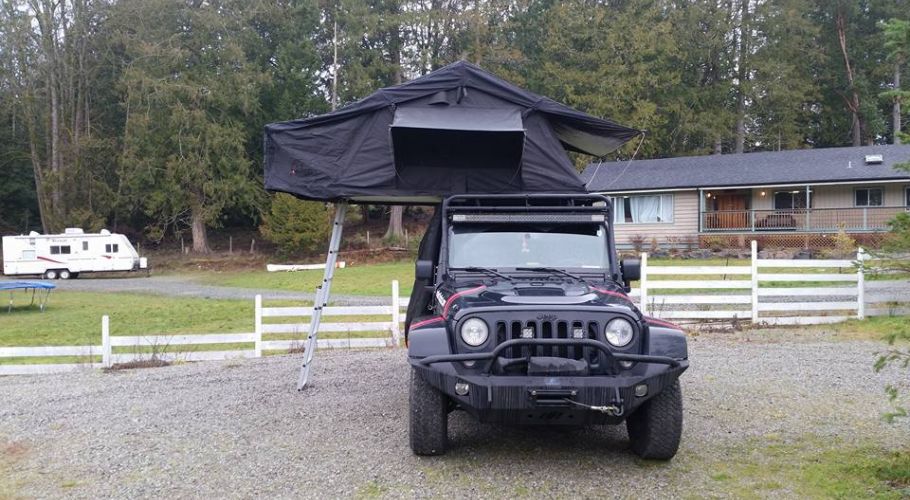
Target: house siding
x: 685, y: 222
x: 831, y: 196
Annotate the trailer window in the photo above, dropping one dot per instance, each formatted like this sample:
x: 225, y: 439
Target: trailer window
x: 60, y: 249
x: 112, y: 248
x: 65, y: 249
x: 55, y: 249
x: 84, y: 246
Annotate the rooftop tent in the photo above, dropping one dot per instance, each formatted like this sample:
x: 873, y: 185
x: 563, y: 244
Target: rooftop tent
x: 456, y: 130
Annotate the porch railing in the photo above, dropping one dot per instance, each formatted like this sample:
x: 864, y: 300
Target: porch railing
x: 800, y: 220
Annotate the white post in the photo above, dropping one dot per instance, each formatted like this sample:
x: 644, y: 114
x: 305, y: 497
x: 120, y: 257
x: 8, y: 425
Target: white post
x: 754, y: 282
x: 643, y: 284
x: 396, y: 314
x: 106, y: 341
x: 860, y: 285
x: 258, y: 326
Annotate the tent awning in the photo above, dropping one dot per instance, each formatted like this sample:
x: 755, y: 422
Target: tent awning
x: 459, y: 118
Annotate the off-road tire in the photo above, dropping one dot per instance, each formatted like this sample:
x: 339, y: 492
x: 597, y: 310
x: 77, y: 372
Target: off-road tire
x: 429, y: 417
x: 656, y: 426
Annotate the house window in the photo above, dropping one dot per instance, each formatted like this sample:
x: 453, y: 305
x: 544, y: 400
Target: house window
x: 907, y: 196
x: 643, y: 209
x: 84, y: 246
x: 111, y: 248
x: 868, y: 197
x: 791, y: 200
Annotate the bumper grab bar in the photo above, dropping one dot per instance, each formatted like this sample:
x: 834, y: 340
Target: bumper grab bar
x: 489, y: 356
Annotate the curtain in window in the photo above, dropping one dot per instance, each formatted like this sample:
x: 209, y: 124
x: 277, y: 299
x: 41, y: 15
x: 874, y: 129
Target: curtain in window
x: 619, y: 210
x: 645, y: 208
x: 666, y: 208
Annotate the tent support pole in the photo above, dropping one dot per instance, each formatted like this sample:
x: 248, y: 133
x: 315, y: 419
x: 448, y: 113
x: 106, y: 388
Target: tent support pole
x: 322, y: 293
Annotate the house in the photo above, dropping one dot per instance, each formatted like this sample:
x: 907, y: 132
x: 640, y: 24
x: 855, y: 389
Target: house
x: 798, y: 198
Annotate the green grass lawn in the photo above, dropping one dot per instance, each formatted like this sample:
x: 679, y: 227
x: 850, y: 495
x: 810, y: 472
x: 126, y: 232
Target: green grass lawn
x: 373, y: 279
x: 74, y: 318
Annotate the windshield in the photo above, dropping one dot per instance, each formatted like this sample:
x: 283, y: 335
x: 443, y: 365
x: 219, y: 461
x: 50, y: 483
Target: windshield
x: 540, y: 245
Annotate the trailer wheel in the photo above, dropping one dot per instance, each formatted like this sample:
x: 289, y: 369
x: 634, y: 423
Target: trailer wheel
x: 656, y: 427
x: 50, y: 274
x: 65, y: 274
x: 429, y: 417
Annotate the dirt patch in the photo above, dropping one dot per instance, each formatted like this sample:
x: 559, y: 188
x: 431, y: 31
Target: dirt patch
x: 141, y: 363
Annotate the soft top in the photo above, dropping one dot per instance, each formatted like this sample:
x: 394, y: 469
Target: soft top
x: 456, y: 130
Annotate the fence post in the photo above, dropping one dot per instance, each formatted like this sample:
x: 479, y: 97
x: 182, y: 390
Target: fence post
x: 106, y: 341
x: 643, y: 284
x: 396, y: 314
x: 754, y: 282
x: 860, y: 285
x: 257, y: 326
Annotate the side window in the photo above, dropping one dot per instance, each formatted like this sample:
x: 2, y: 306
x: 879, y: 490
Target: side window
x: 28, y: 255
x: 84, y: 246
x: 868, y: 197
x: 55, y: 249
x: 107, y: 248
x: 65, y: 249
x: 116, y: 248
x: 111, y: 248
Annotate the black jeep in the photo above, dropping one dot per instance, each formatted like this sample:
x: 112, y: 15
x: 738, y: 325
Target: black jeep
x: 528, y: 321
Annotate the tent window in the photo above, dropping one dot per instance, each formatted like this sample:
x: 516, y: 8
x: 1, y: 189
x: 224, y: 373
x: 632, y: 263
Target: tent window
x: 648, y: 209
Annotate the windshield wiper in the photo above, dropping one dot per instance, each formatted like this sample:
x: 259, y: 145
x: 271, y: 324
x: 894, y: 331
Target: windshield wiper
x: 553, y: 270
x: 485, y: 270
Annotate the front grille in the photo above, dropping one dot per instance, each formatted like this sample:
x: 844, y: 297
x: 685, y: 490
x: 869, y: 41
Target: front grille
x: 547, y: 329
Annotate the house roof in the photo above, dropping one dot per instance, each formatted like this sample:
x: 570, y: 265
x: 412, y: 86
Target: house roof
x: 808, y: 166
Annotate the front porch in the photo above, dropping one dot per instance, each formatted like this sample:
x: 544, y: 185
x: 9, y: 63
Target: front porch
x: 808, y: 209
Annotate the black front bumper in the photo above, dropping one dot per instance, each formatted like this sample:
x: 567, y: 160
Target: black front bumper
x: 557, y: 399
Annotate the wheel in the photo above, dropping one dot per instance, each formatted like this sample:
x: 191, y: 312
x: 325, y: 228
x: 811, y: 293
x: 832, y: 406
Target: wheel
x: 50, y: 274
x: 429, y: 418
x: 65, y: 274
x: 656, y: 427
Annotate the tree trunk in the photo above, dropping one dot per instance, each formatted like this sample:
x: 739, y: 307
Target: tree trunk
x: 200, y: 234
x: 853, y: 100
x: 896, y: 108
x: 396, y: 227
x: 742, y: 76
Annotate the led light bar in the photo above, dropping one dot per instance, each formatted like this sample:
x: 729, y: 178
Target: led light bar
x: 529, y: 218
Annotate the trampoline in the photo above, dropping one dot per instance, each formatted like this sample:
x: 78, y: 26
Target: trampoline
x: 35, y: 286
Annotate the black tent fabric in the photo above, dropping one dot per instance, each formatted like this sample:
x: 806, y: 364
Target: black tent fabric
x: 456, y: 130
x: 422, y: 294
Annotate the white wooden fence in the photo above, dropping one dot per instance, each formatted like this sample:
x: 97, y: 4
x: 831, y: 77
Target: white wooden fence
x: 759, y: 292
x: 174, y: 347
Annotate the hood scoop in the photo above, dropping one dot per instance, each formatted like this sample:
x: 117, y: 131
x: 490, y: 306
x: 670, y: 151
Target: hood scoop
x: 549, y: 299
x: 540, y: 291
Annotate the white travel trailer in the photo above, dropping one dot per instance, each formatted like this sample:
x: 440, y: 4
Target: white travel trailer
x: 69, y: 254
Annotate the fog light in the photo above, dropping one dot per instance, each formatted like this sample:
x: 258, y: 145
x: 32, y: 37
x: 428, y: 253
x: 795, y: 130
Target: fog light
x: 626, y: 364
x: 462, y: 388
x: 578, y: 333
x: 527, y: 332
x: 641, y: 390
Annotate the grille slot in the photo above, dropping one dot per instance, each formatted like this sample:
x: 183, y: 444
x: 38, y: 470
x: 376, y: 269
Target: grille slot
x: 549, y: 329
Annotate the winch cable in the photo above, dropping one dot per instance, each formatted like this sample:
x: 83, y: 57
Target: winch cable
x: 612, y: 410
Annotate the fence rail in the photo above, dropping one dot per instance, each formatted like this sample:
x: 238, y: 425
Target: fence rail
x: 800, y: 219
x: 767, y: 303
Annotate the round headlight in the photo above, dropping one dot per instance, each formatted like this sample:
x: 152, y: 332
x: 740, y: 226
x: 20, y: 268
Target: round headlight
x: 619, y: 332
x: 474, y: 332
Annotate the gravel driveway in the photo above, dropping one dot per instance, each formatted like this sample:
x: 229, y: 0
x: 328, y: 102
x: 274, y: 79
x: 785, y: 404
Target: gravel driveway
x: 239, y: 429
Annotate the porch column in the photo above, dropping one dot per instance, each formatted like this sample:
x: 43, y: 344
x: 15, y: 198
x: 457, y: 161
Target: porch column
x: 808, y: 205
x: 701, y: 209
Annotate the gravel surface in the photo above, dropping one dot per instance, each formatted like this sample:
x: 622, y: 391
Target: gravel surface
x: 239, y: 429
x: 180, y: 286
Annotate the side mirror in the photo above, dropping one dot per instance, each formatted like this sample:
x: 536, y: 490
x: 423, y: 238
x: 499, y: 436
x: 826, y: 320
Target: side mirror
x: 631, y: 270
x: 424, y: 270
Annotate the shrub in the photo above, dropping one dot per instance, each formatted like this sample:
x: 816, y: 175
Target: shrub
x: 844, y: 245
x: 296, y: 226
